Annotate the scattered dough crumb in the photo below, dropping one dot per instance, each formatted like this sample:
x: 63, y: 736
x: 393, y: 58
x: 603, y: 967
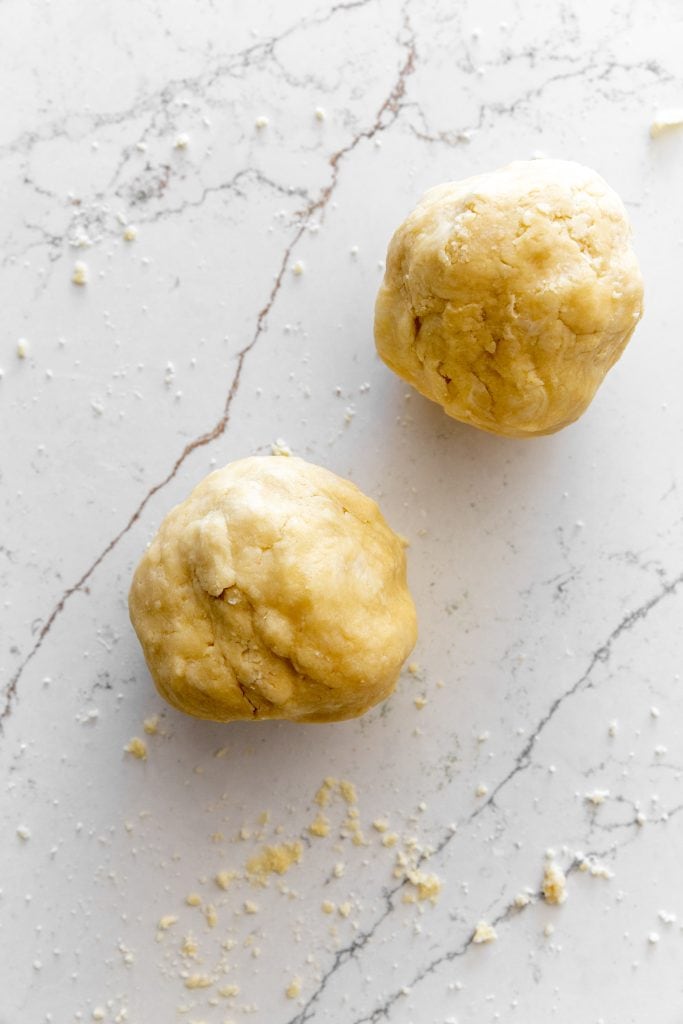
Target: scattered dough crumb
x: 348, y: 791
x: 428, y: 885
x: 522, y: 899
x: 210, y: 915
x: 136, y: 748
x: 389, y: 840
x: 319, y: 114
x: 262, y: 121
x: 380, y: 824
x: 22, y: 348
x: 420, y: 702
x: 24, y: 833
x: 320, y: 826
x: 549, y: 930
x: 298, y: 268
x: 338, y: 869
x: 554, y: 884
x: 80, y: 273
x: 229, y: 990
x: 666, y: 917
x: 280, y: 447
x: 198, y: 981
x: 327, y: 907
x: 188, y: 946
x: 130, y: 233
x: 324, y: 794
x: 250, y: 907
x: 224, y: 878
x: 151, y: 725
x: 484, y: 933
x: 664, y: 121
x: 193, y: 900
x: 182, y: 141
x: 597, y: 797
x: 481, y: 790
x: 293, y: 990
x: 344, y: 909
x: 166, y: 922
x: 653, y: 938
x: 275, y: 859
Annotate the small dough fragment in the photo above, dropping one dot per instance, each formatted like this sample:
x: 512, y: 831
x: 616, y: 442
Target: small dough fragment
x: 276, y: 590
x: 508, y: 296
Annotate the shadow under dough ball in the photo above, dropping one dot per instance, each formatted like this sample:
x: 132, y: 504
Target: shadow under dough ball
x: 276, y: 590
x: 508, y: 296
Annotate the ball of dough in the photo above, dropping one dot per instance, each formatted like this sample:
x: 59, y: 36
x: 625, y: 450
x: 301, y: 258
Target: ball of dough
x: 508, y: 296
x: 276, y: 590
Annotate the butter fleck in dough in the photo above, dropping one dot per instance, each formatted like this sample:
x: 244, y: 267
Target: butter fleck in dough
x: 508, y: 296
x: 276, y: 590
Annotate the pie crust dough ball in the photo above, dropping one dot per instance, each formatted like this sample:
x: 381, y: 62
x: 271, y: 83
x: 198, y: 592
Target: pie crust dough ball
x: 276, y: 590
x: 508, y: 296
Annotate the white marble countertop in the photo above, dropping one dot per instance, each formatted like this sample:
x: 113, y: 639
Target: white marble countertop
x: 548, y: 574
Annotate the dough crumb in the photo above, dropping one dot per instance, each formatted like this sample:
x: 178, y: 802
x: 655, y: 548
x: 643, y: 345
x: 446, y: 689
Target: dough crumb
x: 664, y: 121
x: 166, y: 922
x: 23, y: 833
x: 193, y: 899
x: 182, y: 141
x: 324, y: 794
x: 554, y: 884
x: 522, y: 899
x: 327, y: 907
x: 22, y: 348
x: 189, y: 946
x: 130, y: 233
x: 653, y: 938
x: 250, y: 907
x: 151, y: 725
x: 262, y: 121
x: 227, y: 991
x: 298, y: 268
x: 136, y: 748
x: 210, y: 915
x: 293, y: 990
x: 484, y: 933
x: 597, y: 797
x: 274, y: 860
x: 320, y: 826
x: 338, y: 869
x: 80, y: 273
x: 198, y: 981
x: 481, y: 790
x: 428, y: 885
x: 344, y: 909
x: 348, y: 791
x: 380, y: 825
x: 224, y: 879
x: 280, y: 447
x: 320, y: 114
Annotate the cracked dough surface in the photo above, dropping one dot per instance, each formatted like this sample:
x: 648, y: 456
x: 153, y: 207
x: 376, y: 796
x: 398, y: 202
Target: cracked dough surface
x: 276, y: 590
x: 508, y: 296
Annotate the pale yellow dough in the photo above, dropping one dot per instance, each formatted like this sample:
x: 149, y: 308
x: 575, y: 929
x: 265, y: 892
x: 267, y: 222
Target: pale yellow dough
x: 508, y: 296
x: 276, y: 590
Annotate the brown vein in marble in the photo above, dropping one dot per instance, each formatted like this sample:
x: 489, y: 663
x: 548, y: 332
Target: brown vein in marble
x: 386, y: 115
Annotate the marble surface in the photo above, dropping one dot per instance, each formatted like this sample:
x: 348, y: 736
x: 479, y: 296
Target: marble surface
x: 548, y: 574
